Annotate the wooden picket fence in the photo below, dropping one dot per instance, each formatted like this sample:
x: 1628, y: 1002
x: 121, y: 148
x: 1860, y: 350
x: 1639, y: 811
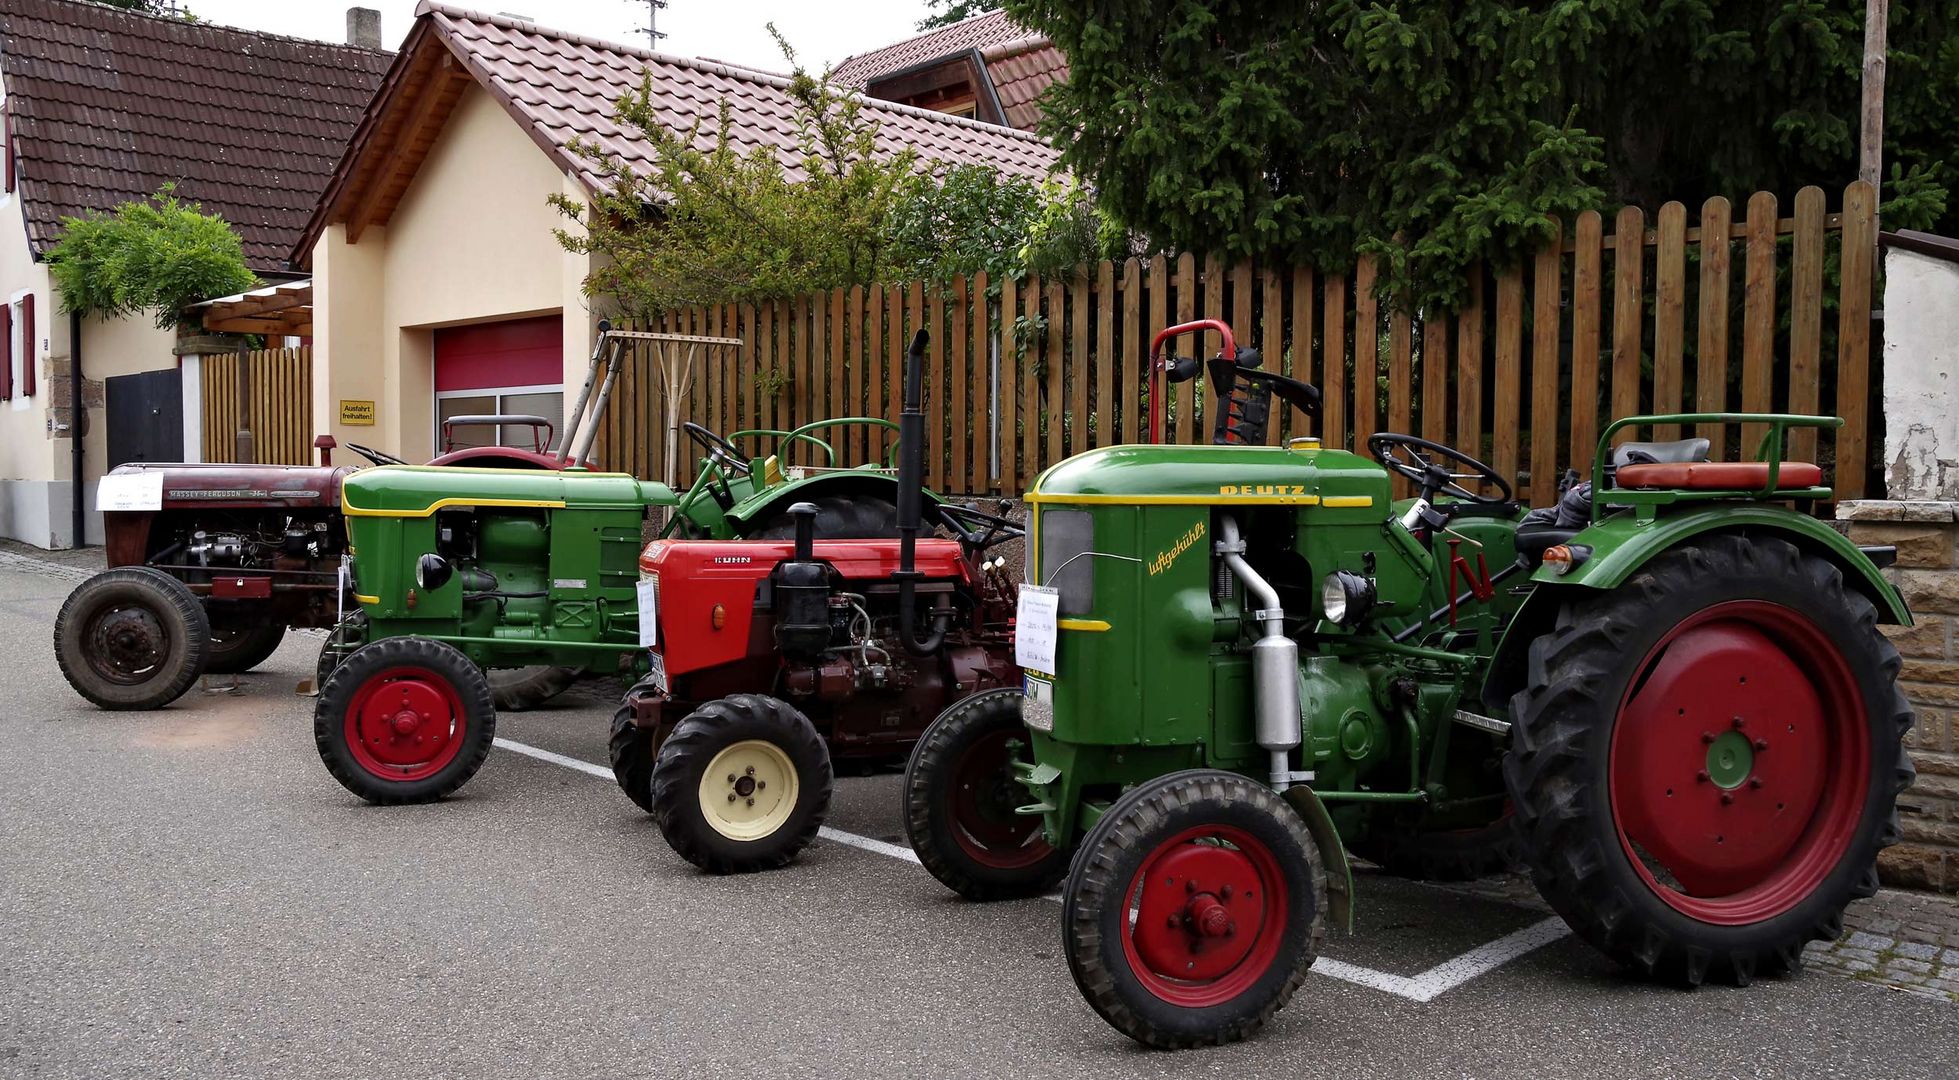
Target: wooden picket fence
x: 277, y: 397
x: 1765, y: 313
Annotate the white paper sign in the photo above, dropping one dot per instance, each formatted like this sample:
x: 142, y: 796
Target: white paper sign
x: 649, y: 613
x: 130, y: 491
x: 1036, y: 627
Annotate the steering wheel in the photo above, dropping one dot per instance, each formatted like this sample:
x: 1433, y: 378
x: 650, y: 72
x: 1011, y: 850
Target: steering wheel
x: 371, y: 454
x: 718, y: 448
x: 1431, y: 466
x: 978, y: 530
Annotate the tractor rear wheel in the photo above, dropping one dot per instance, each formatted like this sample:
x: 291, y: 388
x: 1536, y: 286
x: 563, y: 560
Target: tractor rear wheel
x: 1193, y: 909
x: 961, y: 799
x: 518, y: 689
x: 238, y: 649
x: 132, y: 638
x: 404, y: 720
x: 1707, y: 759
x: 866, y: 517
x: 631, y: 748
x: 742, y: 784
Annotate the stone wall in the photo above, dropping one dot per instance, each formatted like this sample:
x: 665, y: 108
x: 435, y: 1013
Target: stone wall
x: 1926, y: 534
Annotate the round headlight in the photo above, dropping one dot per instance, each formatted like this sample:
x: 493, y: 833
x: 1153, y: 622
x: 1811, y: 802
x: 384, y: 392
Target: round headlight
x: 1345, y: 597
x: 432, y: 571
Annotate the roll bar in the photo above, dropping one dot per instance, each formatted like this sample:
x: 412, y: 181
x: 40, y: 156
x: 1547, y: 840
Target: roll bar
x: 1157, y: 364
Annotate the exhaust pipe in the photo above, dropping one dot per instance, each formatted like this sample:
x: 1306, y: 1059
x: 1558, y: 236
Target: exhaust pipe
x: 911, y: 500
x: 1275, y: 661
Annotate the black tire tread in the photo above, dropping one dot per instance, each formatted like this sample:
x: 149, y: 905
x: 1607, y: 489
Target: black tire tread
x: 1547, y: 772
x: 630, y: 748
x: 172, y: 600
x: 1094, y: 878
x: 329, y: 710
x: 517, y: 694
x: 936, y: 750
x: 254, y: 646
x: 693, y: 744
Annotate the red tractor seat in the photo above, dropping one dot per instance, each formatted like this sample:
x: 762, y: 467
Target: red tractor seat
x: 1718, y: 475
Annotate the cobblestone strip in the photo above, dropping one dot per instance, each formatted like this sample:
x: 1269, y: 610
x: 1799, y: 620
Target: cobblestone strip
x: 1908, y: 941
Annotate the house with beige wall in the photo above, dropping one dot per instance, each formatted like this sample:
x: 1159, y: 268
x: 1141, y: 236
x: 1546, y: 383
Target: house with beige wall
x: 104, y: 106
x: 439, y: 288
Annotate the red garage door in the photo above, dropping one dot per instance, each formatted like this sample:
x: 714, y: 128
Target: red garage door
x: 505, y: 367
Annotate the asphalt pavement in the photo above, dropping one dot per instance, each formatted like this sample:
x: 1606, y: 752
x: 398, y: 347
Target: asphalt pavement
x: 187, y: 893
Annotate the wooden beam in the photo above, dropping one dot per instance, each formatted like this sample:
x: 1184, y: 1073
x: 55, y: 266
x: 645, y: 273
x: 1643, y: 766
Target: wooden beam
x: 393, y: 159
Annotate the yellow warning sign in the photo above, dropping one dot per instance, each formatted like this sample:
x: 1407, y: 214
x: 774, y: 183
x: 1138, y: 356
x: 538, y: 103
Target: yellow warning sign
x: 357, y: 413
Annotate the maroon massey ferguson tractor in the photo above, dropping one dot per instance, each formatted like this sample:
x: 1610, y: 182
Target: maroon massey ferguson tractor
x: 772, y: 658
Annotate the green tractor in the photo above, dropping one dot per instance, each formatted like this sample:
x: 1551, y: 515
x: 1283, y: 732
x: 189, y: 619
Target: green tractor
x: 456, y: 570
x: 1668, y: 695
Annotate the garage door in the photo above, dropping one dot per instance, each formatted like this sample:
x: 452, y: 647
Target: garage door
x: 504, y: 367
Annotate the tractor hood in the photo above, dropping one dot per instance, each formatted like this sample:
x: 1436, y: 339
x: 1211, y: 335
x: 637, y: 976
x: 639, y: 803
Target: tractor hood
x: 1303, y: 475
x: 421, y: 490
x: 294, y: 487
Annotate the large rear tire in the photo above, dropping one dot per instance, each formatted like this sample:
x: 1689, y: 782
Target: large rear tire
x: 518, y: 689
x: 961, y: 799
x: 742, y: 784
x: 132, y: 638
x: 1193, y: 909
x: 238, y: 649
x: 1707, y: 759
x: 866, y: 517
x: 404, y: 720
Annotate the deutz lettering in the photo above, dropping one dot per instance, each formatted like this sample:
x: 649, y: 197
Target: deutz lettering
x: 1262, y: 489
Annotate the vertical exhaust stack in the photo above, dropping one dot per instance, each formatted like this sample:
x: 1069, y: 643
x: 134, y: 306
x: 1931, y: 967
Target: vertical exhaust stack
x: 911, y: 507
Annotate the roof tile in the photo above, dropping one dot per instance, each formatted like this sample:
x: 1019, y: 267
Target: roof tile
x: 978, y: 32
x: 110, y: 105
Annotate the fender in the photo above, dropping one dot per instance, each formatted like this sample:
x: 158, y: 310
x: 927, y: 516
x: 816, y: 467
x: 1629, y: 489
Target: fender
x: 759, y: 508
x: 1623, y: 543
x: 1339, y: 872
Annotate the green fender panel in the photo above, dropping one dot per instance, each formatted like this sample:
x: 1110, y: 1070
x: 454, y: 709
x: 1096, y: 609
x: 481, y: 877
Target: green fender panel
x: 1621, y: 544
x: 1339, y: 872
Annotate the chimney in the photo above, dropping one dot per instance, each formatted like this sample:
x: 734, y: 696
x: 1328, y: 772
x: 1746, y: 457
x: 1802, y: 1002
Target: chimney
x: 364, y: 27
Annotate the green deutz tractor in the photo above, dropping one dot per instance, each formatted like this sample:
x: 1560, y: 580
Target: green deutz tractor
x: 1668, y: 695
x: 455, y: 570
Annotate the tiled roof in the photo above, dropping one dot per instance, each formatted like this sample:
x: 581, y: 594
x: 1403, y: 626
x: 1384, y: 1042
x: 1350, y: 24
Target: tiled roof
x: 978, y: 32
x: 1021, y: 71
x: 109, y: 105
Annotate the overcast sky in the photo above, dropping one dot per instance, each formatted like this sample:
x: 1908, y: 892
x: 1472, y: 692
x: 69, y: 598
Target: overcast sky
x: 822, y: 31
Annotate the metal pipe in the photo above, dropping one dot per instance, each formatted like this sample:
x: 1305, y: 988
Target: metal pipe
x: 77, y: 418
x: 1275, y: 660
x: 911, y: 499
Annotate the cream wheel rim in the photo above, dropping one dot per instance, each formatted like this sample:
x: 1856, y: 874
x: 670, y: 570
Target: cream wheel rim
x: 748, y: 790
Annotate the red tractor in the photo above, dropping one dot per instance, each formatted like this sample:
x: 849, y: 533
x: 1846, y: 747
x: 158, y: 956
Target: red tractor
x: 771, y: 659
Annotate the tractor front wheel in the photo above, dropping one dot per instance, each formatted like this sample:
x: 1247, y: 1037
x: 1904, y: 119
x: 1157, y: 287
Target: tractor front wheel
x: 631, y: 748
x: 1193, y: 909
x: 742, y: 784
x: 404, y: 720
x: 132, y: 638
x: 961, y: 803
x: 1707, y: 759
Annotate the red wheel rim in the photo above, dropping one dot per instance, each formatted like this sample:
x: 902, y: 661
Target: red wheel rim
x: 1740, y: 763
x: 985, y: 796
x: 1203, y: 920
x: 405, y: 724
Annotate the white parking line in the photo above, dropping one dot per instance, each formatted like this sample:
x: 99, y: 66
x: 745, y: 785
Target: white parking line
x: 1424, y: 987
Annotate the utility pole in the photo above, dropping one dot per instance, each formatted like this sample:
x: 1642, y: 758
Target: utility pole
x: 652, y: 30
x: 1870, y: 151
